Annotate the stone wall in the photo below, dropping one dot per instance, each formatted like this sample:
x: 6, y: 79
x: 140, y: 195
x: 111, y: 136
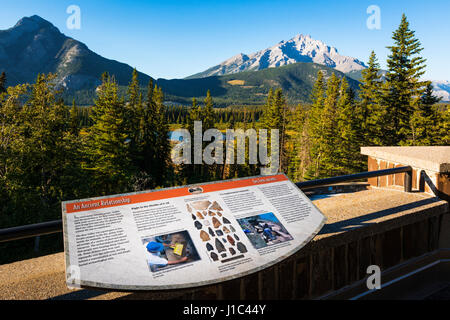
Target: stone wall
x: 427, y: 181
x: 431, y: 167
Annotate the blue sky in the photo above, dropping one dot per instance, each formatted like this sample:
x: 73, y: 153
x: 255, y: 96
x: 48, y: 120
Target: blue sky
x: 174, y: 39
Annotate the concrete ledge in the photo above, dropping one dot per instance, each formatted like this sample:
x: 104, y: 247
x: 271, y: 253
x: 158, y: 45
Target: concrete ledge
x: 430, y: 168
x: 427, y: 158
x: 358, y: 215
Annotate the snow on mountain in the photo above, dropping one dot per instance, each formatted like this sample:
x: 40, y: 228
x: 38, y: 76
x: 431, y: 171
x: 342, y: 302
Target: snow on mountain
x: 301, y: 48
x: 442, y: 90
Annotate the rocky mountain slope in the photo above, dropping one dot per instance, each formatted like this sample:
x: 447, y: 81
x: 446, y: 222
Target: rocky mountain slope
x: 34, y: 46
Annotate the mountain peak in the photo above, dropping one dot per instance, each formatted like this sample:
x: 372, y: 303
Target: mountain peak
x: 300, y: 48
x: 34, y: 45
x: 302, y: 36
x: 33, y: 21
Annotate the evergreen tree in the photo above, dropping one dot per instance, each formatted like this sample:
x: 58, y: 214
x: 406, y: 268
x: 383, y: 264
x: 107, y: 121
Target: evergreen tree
x: 370, y: 110
x: 323, y: 128
x: 162, y: 156
x: 265, y: 118
x: 208, y: 113
x: 297, y: 159
x: 153, y: 145
x: 281, y: 114
x: 403, y: 86
x: 195, y: 114
x: 328, y: 153
x: 147, y: 141
x: 193, y: 173
x: 109, y: 141
x: 444, y: 126
x: 275, y: 116
x: 210, y: 172
x: 315, y: 126
x: 348, y: 144
x: 2, y: 82
x: 425, y: 121
x: 134, y: 116
x: 74, y: 119
x: 39, y: 163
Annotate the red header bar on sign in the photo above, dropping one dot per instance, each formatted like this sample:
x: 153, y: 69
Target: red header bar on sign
x: 168, y: 193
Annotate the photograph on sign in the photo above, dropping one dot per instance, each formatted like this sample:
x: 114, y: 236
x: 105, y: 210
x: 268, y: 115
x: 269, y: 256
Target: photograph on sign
x: 264, y: 230
x: 169, y: 250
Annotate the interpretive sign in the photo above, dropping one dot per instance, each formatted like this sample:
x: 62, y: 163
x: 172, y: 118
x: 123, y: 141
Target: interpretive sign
x: 187, y: 236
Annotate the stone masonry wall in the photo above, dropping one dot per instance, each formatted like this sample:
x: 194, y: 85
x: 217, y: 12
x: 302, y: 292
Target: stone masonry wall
x: 422, y: 180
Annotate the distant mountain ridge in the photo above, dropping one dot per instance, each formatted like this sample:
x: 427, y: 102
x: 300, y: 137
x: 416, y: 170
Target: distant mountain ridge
x: 244, y: 88
x: 34, y: 46
x: 301, y: 48
x: 296, y: 80
x: 442, y: 90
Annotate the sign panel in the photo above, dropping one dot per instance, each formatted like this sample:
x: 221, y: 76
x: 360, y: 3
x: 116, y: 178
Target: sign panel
x: 188, y: 236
